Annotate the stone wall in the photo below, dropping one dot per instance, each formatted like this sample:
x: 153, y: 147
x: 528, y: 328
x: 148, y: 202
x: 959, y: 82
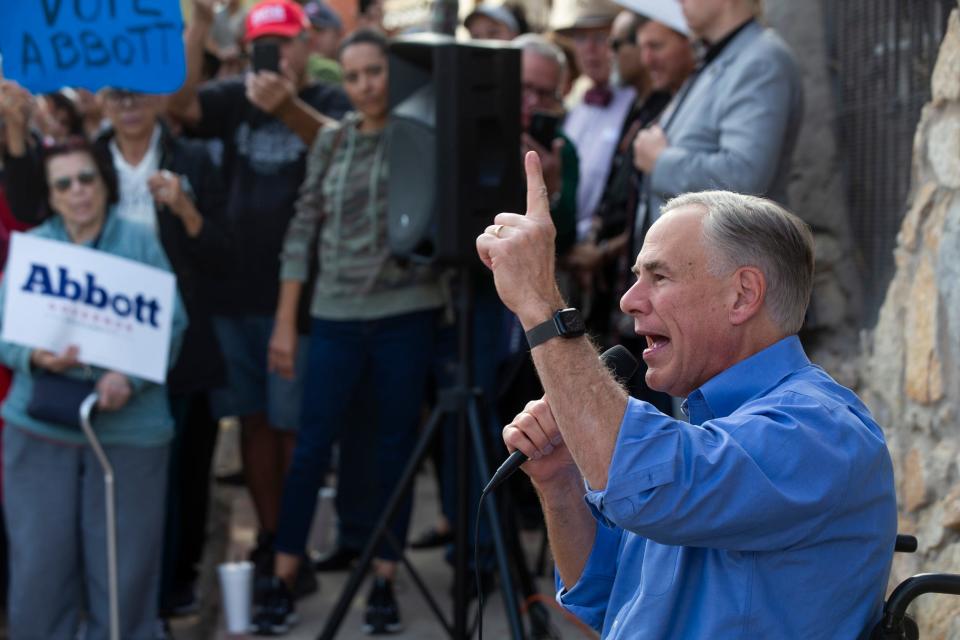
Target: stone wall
x: 911, y: 371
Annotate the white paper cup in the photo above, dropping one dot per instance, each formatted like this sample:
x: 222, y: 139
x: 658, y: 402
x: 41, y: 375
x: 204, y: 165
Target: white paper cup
x: 236, y: 590
x: 324, y: 521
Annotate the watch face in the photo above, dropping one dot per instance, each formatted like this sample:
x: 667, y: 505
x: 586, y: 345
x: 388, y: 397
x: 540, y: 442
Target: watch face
x: 570, y: 322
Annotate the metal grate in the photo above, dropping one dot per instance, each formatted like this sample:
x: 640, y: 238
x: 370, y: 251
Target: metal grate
x: 883, y: 53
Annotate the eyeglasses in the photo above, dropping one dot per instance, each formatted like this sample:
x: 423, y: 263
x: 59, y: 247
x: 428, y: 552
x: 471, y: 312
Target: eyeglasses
x: 591, y: 37
x: 63, y: 184
x: 542, y: 95
x: 616, y: 43
x: 123, y: 97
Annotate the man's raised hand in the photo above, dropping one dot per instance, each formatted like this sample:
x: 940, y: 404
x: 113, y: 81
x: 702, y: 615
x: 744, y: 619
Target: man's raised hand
x: 519, y: 249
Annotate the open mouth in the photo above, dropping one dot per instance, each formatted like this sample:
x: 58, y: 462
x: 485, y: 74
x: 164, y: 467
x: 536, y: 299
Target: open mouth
x: 655, y: 344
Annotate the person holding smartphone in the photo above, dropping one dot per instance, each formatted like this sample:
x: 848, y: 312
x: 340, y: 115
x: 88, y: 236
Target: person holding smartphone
x: 266, y: 120
x: 542, y: 73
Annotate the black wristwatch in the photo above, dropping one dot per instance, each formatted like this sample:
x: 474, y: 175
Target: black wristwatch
x: 565, y: 323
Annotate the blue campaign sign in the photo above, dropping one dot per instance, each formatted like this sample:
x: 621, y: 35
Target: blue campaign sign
x: 128, y: 44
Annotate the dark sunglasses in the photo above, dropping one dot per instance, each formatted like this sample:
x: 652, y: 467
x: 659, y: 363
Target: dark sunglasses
x: 63, y: 184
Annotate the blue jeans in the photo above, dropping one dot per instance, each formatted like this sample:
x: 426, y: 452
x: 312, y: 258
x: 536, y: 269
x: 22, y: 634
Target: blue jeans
x: 394, y: 353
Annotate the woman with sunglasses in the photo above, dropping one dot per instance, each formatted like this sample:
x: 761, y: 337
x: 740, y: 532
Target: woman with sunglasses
x: 53, y: 487
x: 372, y: 320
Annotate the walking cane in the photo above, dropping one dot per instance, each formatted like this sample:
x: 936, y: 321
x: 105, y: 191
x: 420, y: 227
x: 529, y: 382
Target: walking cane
x: 86, y: 409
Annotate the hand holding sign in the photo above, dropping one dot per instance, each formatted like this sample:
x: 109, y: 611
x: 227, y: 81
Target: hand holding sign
x: 520, y: 251
x: 16, y: 107
x: 43, y: 359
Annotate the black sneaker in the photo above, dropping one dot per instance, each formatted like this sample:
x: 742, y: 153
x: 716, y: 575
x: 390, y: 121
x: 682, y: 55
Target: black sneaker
x: 276, y: 615
x: 382, y: 615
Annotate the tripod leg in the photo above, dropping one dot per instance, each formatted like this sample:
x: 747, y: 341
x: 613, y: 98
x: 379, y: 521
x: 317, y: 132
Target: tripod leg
x: 421, y: 585
x: 403, y: 485
x: 537, y: 614
x: 509, y: 595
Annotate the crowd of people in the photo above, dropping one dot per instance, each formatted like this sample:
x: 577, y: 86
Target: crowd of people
x: 265, y: 193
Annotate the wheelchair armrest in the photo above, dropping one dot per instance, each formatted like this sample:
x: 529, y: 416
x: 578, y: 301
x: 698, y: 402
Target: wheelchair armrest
x: 907, y: 591
x: 905, y: 543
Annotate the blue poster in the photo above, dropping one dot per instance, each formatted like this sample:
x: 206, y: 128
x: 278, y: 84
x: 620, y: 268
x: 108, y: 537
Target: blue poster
x: 126, y: 44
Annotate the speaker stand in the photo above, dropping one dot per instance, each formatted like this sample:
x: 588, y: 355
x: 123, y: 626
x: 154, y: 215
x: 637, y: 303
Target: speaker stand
x: 463, y: 402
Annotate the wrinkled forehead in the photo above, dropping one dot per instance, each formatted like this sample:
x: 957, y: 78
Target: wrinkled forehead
x: 675, y: 239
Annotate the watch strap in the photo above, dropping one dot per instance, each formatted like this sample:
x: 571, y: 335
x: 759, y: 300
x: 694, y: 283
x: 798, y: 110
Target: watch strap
x: 565, y: 323
x: 544, y: 331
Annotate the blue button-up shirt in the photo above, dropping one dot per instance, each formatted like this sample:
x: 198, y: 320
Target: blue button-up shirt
x: 772, y: 514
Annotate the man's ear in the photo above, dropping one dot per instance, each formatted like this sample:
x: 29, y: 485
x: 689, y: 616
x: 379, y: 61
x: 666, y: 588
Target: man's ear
x: 750, y: 286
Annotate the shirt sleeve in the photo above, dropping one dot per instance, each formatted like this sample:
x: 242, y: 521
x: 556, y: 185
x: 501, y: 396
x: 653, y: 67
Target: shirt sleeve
x: 752, y: 128
x: 761, y: 480
x: 302, y: 230
x: 15, y: 356
x: 589, y: 597
x: 222, y: 105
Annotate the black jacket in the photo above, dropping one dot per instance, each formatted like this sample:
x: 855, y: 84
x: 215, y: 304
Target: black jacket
x: 196, y: 262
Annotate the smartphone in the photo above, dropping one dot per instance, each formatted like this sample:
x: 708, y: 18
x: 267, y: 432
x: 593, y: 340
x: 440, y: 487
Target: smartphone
x: 543, y: 128
x: 266, y: 57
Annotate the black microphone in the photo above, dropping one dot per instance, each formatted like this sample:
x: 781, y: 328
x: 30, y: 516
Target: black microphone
x: 620, y: 362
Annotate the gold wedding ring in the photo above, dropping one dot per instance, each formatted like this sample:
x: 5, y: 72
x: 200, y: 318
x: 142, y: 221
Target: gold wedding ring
x: 496, y: 230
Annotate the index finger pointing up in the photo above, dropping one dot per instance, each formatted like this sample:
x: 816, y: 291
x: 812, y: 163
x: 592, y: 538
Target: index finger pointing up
x: 538, y: 201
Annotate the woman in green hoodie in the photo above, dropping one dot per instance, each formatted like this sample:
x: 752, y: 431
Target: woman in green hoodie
x: 372, y: 318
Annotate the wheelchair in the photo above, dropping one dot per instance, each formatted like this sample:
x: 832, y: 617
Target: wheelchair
x: 895, y: 623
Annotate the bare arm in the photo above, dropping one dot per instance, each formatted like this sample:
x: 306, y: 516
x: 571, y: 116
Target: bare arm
x: 570, y: 526
x: 281, y: 356
x: 302, y: 119
x: 16, y: 104
x: 276, y: 94
x: 184, y: 105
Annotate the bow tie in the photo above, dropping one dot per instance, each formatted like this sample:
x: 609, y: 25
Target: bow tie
x: 598, y: 96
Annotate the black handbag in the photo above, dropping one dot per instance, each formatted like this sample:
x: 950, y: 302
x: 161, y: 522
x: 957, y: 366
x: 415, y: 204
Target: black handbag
x: 57, y: 398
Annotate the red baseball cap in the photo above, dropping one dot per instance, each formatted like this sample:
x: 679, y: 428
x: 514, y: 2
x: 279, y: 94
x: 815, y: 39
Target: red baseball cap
x: 275, y: 18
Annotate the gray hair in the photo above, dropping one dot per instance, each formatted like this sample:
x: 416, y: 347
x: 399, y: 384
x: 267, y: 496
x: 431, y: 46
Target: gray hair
x: 740, y: 230
x: 538, y: 44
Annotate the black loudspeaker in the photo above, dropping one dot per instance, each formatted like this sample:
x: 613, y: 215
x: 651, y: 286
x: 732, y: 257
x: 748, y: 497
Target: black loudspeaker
x: 454, y: 145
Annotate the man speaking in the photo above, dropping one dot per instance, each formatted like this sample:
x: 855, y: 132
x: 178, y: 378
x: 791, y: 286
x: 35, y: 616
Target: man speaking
x: 771, y: 513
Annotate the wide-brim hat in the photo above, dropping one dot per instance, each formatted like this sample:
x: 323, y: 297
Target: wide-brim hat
x: 497, y: 13
x: 667, y: 12
x: 568, y: 15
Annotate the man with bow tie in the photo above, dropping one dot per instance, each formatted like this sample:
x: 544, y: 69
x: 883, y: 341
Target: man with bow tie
x: 594, y: 124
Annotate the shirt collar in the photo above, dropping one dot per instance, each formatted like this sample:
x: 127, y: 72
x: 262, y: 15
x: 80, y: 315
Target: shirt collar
x: 730, y: 389
x: 712, y: 51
